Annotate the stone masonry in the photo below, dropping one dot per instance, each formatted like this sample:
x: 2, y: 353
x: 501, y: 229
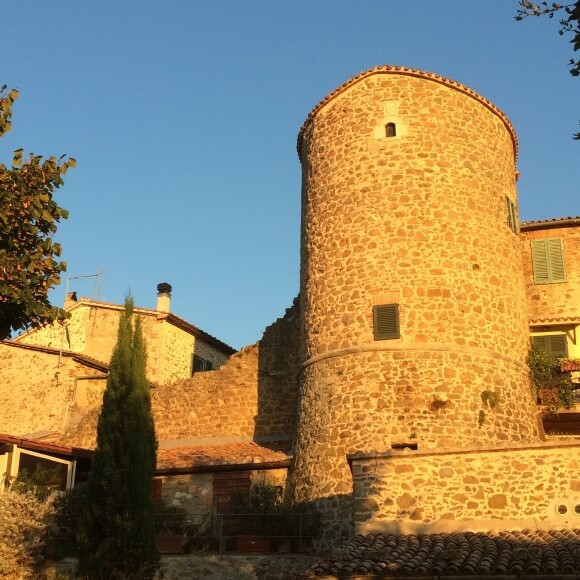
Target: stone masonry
x: 92, y: 330
x: 553, y: 301
x: 446, y: 490
x: 417, y: 219
x: 253, y: 396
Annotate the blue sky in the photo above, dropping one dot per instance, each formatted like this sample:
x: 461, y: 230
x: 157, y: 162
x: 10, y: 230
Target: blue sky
x: 183, y: 118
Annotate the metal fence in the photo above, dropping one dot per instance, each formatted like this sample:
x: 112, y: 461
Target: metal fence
x: 190, y: 533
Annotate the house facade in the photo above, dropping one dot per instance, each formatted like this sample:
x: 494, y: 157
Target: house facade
x: 551, y: 251
x: 176, y: 349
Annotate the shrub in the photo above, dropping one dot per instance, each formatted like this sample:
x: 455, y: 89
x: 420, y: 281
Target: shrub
x: 25, y: 525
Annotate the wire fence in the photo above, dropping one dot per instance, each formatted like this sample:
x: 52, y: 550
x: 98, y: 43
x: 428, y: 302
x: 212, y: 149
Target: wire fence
x: 190, y: 533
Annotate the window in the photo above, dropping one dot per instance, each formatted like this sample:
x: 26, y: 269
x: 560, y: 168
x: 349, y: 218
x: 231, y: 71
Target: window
x: 390, y: 130
x: 386, y: 321
x: 200, y: 364
x: 548, y: 261
x: 512, y: 216
x: 554, y: 344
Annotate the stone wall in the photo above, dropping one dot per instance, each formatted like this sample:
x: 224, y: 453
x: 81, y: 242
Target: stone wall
x: 92, y: 330
x: 556, y: 300
x: 418, y: 220
x: 252, y: 396
x: 414, y: 491
x: 40, y: 391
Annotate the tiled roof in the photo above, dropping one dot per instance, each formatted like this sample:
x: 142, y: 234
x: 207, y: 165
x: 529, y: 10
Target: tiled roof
x: 388, y: 69
x: 459, y: 554
x: 82, y: 358
x: 44, y: 446
x: 191, y: 458
x: 550, y: 223
x: 557, y: 320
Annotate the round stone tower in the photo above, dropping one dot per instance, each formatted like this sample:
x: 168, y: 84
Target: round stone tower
x: 413, y: 309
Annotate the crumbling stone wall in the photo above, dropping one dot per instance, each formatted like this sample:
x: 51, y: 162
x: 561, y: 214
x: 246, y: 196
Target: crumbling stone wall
x: 412, y: 491
x: 419, y: 220
x: 252, y: 396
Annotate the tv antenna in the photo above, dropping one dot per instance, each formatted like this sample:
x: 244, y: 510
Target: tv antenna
x: 97, y: 285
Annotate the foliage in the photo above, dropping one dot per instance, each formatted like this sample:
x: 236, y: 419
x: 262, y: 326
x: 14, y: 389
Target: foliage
x: 552, y: 388
x: 116, y: 530
x: 490, y: 399
x: 68, y: 506
x: 570, y: 24
x: 42, y: 482
x: 170, y: 519
x: 29, y: 267
x: 26, y: 522
x: 267, y: 514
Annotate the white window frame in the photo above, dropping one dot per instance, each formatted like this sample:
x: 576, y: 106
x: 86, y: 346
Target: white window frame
x: 15, y: 464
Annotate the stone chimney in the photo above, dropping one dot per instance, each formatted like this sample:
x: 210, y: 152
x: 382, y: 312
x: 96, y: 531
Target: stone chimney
x: 163, y: 297
x: 70, y: 300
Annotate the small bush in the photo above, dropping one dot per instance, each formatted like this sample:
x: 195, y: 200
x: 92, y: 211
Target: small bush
x: 25, y: 525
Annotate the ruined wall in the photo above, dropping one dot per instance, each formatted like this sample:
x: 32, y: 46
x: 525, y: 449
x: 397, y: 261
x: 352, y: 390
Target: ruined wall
x: 414, y: 491
x: 252, y: 396
x: 418, y: 220
x: 560, y: 299
x: 40, y: 391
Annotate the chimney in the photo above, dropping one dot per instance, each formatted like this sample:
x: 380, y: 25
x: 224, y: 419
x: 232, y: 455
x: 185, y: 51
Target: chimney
x: 70, y: 300
x: 163, y: 297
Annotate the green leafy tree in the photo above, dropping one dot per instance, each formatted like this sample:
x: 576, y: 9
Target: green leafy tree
x: 116, y: 535
x: 29, y: 265
x: 569, y: 24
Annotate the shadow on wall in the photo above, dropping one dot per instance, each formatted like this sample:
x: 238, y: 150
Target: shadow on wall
x: 278, y: 379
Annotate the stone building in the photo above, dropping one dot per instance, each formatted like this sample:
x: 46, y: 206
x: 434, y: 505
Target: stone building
x: 176, y: 349
x: 399, y: 373
x: 551, y: 251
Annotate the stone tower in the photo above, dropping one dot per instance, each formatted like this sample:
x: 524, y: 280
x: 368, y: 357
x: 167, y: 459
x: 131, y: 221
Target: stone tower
x: 413, y: 313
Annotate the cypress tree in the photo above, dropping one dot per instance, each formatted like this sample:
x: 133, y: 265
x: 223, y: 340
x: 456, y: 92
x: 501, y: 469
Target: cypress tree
x: 116, y: 530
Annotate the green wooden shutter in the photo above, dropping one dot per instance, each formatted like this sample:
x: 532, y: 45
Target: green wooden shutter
x: 556, y: 260
x: 554, y: 344
x: 386, y: 321
x: 540, y: 262
x: 512, y: 216
x: 557, y: 345
x: 548, y: 261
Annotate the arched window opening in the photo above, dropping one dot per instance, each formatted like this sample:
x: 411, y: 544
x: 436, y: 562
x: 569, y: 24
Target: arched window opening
x: 391, y: 130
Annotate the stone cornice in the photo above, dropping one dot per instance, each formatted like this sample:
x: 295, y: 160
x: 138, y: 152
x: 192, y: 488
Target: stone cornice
x: 401, y: 70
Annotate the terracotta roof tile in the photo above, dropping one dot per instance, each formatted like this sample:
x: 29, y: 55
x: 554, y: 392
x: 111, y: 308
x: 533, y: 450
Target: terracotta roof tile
x: 554, y: 552
x: 557, y: 320
x: 82, y: 358
x: 550, y: 223
x: 247, y: 453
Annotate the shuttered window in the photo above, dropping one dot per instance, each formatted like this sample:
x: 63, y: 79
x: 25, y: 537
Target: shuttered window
x: 548, y: 261
x: 554, y: 344
x: 386, y: 321
x: 512, y: 216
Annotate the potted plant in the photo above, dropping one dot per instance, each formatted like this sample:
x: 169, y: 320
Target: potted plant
x: 569, y: 364
x: 260, y: 517
x: 170, y: 528
x: 553, y: 388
